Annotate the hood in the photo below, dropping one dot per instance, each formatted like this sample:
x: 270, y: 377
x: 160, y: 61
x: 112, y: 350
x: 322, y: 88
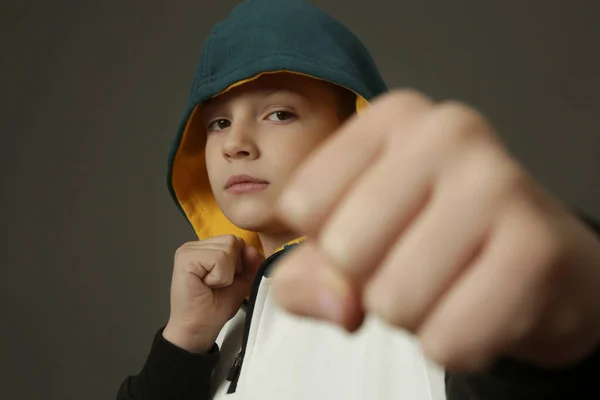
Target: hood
x: 258, y: 37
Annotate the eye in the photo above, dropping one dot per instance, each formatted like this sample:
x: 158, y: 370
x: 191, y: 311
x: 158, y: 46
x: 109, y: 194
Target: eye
x: 280, y: 116
x: 219, y: 125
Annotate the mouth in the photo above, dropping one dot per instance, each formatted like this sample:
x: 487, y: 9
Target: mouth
x: 244, y: 184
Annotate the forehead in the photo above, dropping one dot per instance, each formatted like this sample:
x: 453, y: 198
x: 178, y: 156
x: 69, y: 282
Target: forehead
x: 268, y: 84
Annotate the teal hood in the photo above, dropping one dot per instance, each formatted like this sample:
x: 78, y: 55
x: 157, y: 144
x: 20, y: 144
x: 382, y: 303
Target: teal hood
x: 260, y: 36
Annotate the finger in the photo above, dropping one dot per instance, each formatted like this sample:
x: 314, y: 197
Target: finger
x: 397, y: 186
x: 231, y: 245
x: 335, y: 165
x: 215, y: 260
x: 223, y: 242
x: 441, y: 241
x: 495, y: 303
x: 304, y: 284
x: 375, y: 211
x: 220, y: 268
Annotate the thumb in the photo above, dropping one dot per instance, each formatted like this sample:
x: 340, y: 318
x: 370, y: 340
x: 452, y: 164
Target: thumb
x: 305, y: 284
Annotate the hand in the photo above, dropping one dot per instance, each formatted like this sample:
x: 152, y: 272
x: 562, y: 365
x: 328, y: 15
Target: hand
x: 211, y: 278
x: 417, y: 214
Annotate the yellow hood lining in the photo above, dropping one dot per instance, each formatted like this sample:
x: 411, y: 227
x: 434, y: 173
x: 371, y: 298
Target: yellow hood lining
x: 190, y: 179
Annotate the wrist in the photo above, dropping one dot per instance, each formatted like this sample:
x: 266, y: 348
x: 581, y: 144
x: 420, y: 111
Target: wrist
x: 197, y: 342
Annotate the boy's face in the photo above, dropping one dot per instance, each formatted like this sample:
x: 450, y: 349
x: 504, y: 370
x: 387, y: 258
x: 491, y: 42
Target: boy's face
x: 261, y: 131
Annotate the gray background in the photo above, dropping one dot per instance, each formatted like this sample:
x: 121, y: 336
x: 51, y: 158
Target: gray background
x: 92, y: 93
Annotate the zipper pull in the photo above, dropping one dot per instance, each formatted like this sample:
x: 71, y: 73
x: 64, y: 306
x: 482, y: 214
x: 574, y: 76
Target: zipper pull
x: 234, y: 370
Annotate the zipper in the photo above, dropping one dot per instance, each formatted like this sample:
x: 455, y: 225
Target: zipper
x: 235, y: 368
x: 234, y: 372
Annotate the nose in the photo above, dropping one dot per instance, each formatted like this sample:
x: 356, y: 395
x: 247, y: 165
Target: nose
x: 239, y: 143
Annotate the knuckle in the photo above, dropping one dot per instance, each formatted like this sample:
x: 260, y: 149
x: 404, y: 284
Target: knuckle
x: 385, y: 307
x: 228, y: 279
x: 460, y: 111
x: 438, y: 349
x: 183, y: 247
x: 186, y: 246
x: 515, y: 179
x: 230, y: 240
x: 490, y: 172
x: 405, y: 98
x: 216, y: 274
x: 222, y: 275
x: 181, y: 250
x: 509, y: 179
x: 550, y: 245
x: 406, y: 95
x: 540, y: 244
x: 462, y: 120
x: 221, y: 257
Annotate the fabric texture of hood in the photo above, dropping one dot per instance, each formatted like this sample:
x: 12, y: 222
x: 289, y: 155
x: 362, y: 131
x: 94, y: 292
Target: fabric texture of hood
x: 258, y: 37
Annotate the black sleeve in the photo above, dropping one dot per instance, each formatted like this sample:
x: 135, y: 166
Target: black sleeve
x: 512, y: 380
x: 171, y: 373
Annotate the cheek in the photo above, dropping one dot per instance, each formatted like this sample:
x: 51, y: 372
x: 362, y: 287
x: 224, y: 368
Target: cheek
x: 320, y: 132
x: 293, y: 154
x: 211, y: 159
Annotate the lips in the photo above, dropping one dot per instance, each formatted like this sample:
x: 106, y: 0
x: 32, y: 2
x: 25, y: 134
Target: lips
x: 243, y: 179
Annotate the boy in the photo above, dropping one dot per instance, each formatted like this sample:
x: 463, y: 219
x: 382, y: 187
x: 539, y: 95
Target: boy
x: 416, y: 218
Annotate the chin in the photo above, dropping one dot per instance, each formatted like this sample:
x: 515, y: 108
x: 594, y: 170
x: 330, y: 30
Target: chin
x: 252, y: 217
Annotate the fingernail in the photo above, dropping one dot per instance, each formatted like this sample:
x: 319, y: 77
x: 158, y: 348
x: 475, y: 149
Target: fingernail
x: 333, y: 296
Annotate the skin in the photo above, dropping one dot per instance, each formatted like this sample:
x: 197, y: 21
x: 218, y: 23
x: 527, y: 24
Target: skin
x: 265, y: 129
x: 210, y: 280
x: 428, y: 223
x: 412, y: 203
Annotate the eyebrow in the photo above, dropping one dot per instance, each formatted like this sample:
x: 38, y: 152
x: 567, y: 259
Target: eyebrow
x: 210, y: 104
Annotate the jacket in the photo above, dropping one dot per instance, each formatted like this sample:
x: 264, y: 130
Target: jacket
x: 264, y: 353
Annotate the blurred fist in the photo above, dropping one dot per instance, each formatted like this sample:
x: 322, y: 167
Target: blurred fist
x: 419, y: 215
